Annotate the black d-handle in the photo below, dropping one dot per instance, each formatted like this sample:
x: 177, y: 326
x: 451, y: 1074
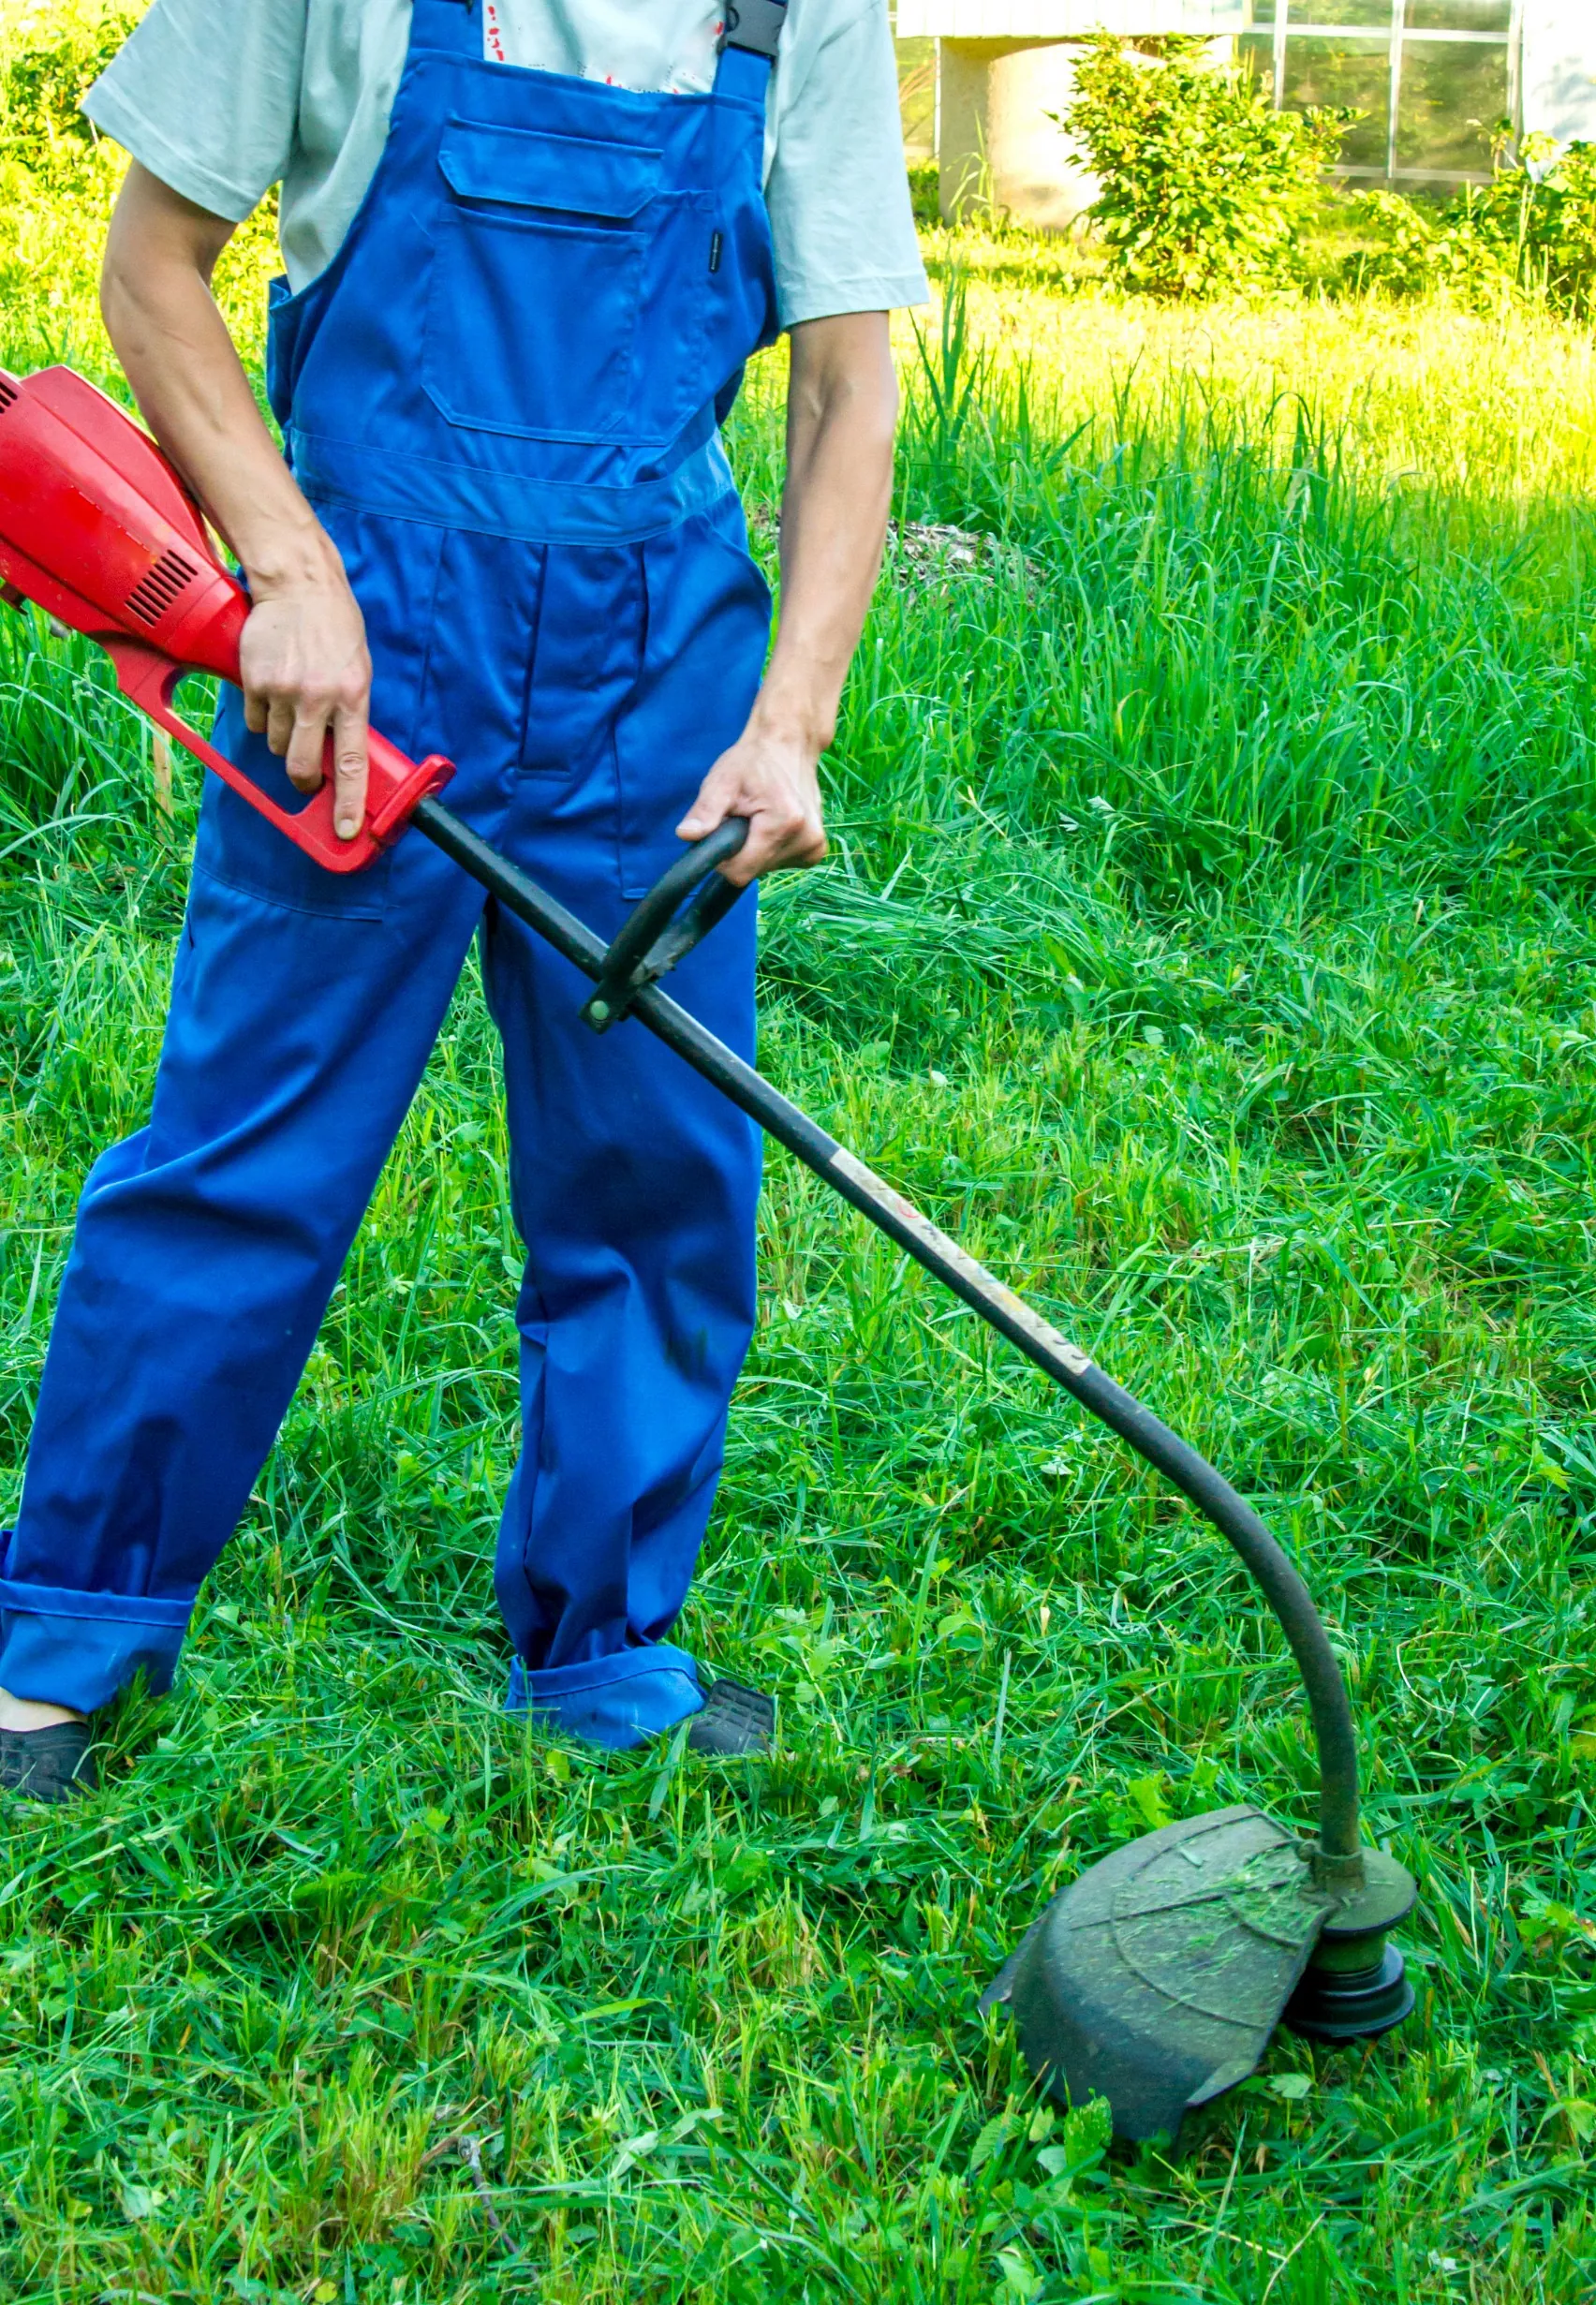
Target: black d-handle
x: 655, y: 933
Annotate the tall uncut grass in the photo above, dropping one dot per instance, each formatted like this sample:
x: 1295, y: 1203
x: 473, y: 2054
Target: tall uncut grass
x: 1207, y: 940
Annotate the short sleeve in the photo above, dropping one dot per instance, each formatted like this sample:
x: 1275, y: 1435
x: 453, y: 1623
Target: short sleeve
x: 838, y: 187
x: 205, y: 95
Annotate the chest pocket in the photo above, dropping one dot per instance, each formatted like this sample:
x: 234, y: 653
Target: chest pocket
x: 541, y: 272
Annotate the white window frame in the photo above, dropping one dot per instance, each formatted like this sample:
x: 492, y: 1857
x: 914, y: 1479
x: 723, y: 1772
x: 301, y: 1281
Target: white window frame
x: 1397, y: 37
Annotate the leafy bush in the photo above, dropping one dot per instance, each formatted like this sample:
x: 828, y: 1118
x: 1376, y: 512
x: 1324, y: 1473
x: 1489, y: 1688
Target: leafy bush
x: 1201, y: 180
x: 925, y: 193
x: 58, y: 181
x: 1417, y: 249
x: 42, y: 85
x: 1539, y: 219
x: 1531, y: 231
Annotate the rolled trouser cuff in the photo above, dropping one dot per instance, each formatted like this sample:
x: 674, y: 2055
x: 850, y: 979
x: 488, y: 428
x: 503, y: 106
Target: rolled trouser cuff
x: 60, y: 1646
x: 618, y: 1700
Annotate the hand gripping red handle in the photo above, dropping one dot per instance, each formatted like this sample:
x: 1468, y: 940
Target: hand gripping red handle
x: 97, y: 530
x: 394, y: 785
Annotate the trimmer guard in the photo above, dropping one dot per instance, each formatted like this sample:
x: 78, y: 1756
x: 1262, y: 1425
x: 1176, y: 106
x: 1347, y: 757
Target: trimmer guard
x: 1155, y: 1979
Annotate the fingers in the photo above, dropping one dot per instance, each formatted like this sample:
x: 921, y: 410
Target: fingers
x: 783, y: 810
x: 273, y: 713
x: 778, y: 838
x: 318, y: 732
x: 305, y: 747
x: 306, y: 678
x: 716, y: 799
x: 350, y: 763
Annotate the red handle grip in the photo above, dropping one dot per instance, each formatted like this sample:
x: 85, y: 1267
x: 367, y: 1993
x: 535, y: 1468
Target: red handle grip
x: 394, y: 785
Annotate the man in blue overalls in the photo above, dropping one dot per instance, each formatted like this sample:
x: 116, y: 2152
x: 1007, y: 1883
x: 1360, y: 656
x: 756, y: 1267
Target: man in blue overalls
x: 530, y: 245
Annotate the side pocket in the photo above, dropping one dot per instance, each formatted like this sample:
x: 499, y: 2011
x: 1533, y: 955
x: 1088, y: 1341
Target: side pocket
x: 709, y: 612
x: 585, y: 658
x: 238, y: 847
x: 392, y: 568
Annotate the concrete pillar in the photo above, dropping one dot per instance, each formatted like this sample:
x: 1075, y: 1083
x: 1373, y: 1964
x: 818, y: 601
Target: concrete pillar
x: 1000, y: 144
x: 996, y: 146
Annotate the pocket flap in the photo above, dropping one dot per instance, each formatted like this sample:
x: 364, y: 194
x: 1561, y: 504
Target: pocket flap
x: 521, y: 167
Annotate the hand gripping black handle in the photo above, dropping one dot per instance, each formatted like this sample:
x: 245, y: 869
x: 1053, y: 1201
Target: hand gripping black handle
x: 655, y: 934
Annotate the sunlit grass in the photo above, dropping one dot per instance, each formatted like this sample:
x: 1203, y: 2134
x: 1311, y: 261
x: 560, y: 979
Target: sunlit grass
x: 1419, y: 393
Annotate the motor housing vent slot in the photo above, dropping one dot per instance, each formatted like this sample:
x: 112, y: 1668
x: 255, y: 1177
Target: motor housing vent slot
x: 9, y: 390
x: 161, y: 585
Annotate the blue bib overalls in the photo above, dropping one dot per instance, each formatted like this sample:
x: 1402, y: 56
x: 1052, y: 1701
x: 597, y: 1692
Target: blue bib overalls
x: 501, y: 399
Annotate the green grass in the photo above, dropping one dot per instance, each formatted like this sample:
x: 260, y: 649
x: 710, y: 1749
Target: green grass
x: 1207, y: 940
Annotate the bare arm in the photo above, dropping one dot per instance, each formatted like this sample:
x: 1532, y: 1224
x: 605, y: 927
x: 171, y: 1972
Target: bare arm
x: 304, y: 663
x: 841, y: 416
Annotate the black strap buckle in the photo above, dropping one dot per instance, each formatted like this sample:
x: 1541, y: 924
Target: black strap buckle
x: 753, y: 25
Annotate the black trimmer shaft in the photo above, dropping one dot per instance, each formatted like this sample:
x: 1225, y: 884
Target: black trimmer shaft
x: 1065, y: 1362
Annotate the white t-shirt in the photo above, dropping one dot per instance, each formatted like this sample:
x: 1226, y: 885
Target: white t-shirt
x: 222, y: 100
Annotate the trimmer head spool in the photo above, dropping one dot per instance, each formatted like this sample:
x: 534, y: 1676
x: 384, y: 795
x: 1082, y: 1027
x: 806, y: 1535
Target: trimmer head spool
x: 1355, y: 1987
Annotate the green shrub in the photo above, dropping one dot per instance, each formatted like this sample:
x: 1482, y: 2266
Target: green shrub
x: 42, y: 85
x: 923, y: 192
x: 1202, y: 181
x: 1539, y: 220
x: 1417, y: 249
x: 58, y: 182
x: 1531, y: 231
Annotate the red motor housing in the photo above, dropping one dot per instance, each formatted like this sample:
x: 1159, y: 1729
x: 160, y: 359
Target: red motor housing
x: 98, y: 530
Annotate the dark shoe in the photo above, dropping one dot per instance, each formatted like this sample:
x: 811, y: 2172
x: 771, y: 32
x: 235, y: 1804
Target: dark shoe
x: 734, y: 1721
x: 48, y: 1764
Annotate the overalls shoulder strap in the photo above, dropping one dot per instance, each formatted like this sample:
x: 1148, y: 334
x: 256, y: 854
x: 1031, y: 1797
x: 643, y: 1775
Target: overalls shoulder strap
x: 748, y: 45
x: 446, y: 27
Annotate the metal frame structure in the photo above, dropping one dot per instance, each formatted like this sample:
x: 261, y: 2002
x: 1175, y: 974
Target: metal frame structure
x: 1296, y: 19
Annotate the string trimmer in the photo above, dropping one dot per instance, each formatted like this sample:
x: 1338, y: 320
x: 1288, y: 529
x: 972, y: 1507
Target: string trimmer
x: 1157, y: 1977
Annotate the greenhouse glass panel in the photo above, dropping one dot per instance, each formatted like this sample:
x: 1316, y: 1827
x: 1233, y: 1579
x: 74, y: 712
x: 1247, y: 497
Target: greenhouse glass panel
x: 1373, y: 15
x: 1345, y: 72
x: 1255, y: 52
x: 1449, y: 15
x: 1451, y: 99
